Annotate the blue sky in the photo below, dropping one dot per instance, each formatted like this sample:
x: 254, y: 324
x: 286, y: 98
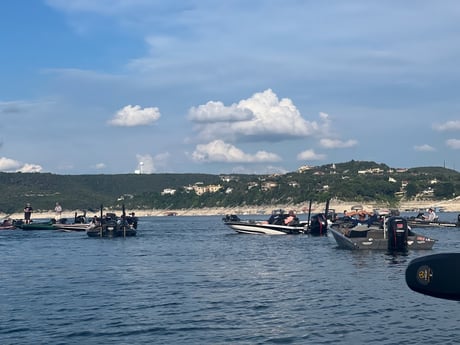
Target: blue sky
x: 97, y: 87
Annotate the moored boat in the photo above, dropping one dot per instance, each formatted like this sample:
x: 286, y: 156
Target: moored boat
x: 7, y: 227
x: 7, y: 224
x: 110, y: 228
x: 394, y: 236
x: 110, y: 225
x: 72, y: 227
x: 279, y: 223
x: 80, y: 223
x: 264, y: 228
x: 37, y: 225
x: 417, y: 222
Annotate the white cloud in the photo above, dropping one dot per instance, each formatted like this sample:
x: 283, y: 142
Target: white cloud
x: 453, y: 143
x: 100, y: 166
x: 337, y: 144
x: 310, y: 155
x: 30, y: 168
x: 324, y: 116
x: 261, y: 117
x: 130, y: 116
x: 218, y: 112
x: 424, y: 148
x: 219, y: 151
x: 10, y: 165
x: 448, y: 126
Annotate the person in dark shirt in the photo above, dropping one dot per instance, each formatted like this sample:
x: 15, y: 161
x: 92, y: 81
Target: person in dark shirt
x: 27, y: 213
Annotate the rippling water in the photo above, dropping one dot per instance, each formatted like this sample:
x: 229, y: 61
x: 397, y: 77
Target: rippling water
x: 191, y: 280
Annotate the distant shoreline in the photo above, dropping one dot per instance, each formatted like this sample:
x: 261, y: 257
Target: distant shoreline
x: 452, y: 205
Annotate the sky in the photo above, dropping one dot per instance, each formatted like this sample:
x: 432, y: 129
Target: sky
x: 220, y: 87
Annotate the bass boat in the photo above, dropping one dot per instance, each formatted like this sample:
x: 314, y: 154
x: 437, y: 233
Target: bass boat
x: 394, y: 235
x: 279, y: 223
x: 112, y: 226
x: 422, y: 223
x: 49, y: 225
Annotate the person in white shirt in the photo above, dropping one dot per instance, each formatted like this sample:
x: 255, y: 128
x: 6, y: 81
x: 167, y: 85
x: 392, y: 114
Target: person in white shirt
x: 431, y: 215
x: 58, y: 210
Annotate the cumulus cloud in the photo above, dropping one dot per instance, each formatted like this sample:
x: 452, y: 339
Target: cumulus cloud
x: 218, y: 112
x: 219, y: 151
x: 30, y: 168
x: 310, y: 155
x: 448, y: 126
x: 453, y: 143
x: 424, y: 148
x: 131, y: 116
x: 259, y: 118
x: 10, y: 165
x: 337, y: 144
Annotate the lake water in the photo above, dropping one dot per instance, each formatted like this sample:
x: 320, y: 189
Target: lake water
x: 192, y: 280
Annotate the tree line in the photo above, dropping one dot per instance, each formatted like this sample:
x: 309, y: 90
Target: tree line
x: 360, y: 181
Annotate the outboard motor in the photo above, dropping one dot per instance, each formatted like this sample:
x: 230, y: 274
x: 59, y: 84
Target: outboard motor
x: 458, y: 220
x: 397, y: 234
x: 318, y: 225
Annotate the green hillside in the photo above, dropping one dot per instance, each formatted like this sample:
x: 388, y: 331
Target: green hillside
x: 354, y: 181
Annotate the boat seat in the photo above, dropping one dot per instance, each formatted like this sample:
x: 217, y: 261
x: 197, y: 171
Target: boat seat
x: 376, y: 233
x: 359, y: 230
x: 353, y: 233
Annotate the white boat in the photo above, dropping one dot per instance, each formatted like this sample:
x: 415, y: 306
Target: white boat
x: 279, y: 223
x: 264, y: 228
x: 80, y: 223
x: 420, y: 222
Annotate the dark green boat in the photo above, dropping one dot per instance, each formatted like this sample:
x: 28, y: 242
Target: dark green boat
x: 50, y: 225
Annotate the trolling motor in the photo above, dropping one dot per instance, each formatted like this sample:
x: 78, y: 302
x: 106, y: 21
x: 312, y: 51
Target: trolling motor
x: 397, y: 234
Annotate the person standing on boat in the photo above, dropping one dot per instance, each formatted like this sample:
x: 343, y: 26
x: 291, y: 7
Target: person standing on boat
x: 58, y: 210
x: 27, y: 213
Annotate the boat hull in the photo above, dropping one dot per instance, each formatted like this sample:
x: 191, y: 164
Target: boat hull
x: 255, y: 228
x: 111, y: 231
x: 370, y: 242
x: 7, y: 227
x: 72, y: 227
x: 36, y: 226
x: 428, y: 224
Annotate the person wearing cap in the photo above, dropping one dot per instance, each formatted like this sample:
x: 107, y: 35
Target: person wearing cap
x: 27, y: 213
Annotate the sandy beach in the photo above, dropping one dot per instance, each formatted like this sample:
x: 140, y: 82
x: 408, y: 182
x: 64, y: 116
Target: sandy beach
x: 452, y: 205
